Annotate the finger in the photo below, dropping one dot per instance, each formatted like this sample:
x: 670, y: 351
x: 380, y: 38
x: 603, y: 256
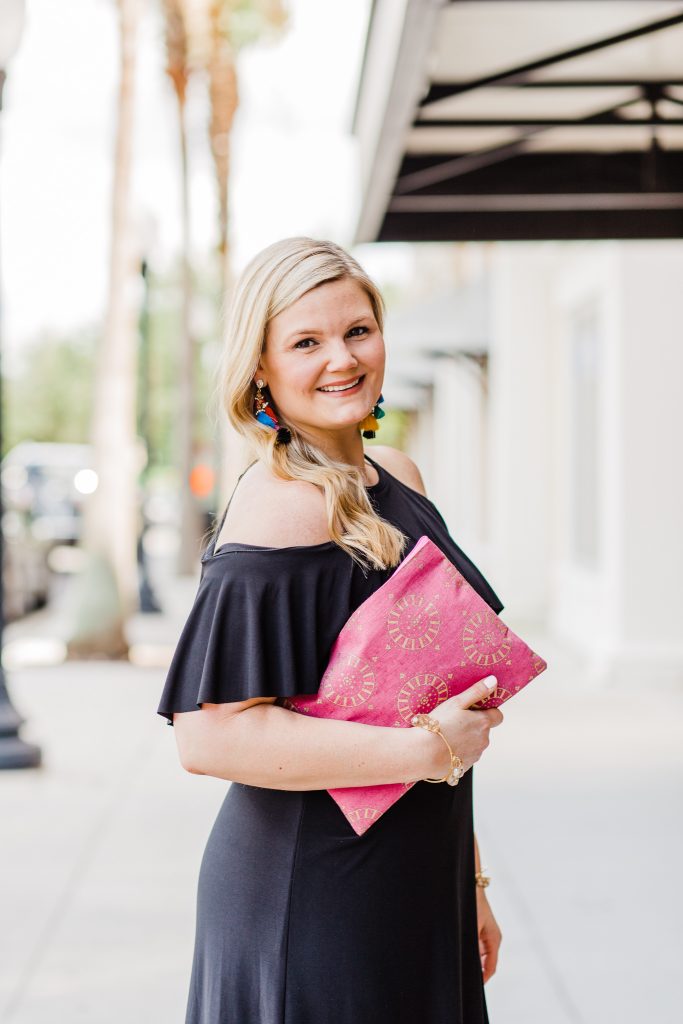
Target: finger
x: 491, y: 964
x: 489, y: 958
x: 486, y: 971
x: 479, y: 691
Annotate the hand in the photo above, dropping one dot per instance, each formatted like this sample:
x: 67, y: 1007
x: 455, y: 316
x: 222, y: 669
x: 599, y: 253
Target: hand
x: 467, y: 731
x: 489, y: 935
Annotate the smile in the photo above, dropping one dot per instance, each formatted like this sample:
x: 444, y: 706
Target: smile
x: 335, y: 389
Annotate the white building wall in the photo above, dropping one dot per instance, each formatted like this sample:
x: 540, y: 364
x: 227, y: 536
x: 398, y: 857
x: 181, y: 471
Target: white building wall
x: 586, y: 495
x: 520, y: 492
x: 651, y: 483
x: 562, y: 474
x: 584, y: 591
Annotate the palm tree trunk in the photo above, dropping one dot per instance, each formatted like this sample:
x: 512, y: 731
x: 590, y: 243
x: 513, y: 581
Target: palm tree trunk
x: 106, y: 593
x: 178, y: 17
x: 224, y: 97
x: 190, y: 518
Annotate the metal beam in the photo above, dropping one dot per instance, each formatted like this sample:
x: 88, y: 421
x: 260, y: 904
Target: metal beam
x: 484, y: 157
x: 515, y: 75
x: 442, y: 90
x: 529, y: 172
x: 546, y: 122
x: 538, y: 201
x: 532, y: 225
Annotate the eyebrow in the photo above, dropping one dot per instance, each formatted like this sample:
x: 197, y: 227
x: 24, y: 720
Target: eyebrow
x: 313, y: 330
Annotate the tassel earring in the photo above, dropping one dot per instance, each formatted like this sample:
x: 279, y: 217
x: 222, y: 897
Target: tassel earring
x: 369, y: 425
x: 265, y: 414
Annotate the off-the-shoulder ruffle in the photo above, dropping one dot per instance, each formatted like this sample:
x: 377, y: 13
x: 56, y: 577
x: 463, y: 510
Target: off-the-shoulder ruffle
x: 264, y: 620
x: 262, y: 624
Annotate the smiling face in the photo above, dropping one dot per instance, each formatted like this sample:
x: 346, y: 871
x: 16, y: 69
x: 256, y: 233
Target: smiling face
x: 327, y: 338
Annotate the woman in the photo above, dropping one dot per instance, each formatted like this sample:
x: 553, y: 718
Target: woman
x: 300, y: 920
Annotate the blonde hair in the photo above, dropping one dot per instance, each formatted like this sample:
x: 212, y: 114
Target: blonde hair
x: 272, y: 281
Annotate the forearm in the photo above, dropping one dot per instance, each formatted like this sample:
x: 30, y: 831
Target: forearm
x: 274, y: 748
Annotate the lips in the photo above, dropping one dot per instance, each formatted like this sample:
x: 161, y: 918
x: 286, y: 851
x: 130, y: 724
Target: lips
x: 342, y: 384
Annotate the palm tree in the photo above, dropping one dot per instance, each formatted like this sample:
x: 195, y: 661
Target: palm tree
x: 106, y: 592
x: 231, y: 25
x: 178, y: 15
x: 204, y: 36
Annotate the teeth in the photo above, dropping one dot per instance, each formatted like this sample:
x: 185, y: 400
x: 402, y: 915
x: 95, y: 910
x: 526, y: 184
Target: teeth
x: 344, y: 387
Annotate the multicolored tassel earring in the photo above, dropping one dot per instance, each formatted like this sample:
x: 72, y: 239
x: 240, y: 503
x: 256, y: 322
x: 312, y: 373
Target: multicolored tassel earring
x: 369, y: 425
x: 265, y: 414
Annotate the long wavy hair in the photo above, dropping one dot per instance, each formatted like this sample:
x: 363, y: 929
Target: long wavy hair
x: 272, y: 281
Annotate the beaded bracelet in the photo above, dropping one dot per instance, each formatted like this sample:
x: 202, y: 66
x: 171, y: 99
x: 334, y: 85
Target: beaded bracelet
x: 481, y: 879
x: 457, y: 769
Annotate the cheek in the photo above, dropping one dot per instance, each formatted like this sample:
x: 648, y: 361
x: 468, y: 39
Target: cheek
x: 377, y: 354
x: 298, y: 380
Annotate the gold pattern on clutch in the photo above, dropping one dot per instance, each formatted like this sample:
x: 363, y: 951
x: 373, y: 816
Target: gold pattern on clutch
x: 485, y: 639
x: 413, y: 622
x: 496, y: 697
x: 363, y: 813
x: 351, y: 684
x: 420, y: 695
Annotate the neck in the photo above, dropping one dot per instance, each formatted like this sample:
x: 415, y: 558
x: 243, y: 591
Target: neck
x: 342, y: 446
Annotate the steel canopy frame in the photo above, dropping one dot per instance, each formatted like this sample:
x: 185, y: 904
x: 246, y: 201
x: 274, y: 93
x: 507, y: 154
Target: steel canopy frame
x: 522, y: 190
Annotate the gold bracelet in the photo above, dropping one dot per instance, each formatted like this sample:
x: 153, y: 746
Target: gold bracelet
x: 481, y: 879
x: 457, y: 770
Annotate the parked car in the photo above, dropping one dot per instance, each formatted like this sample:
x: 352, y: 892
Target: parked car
x: 44, y: 486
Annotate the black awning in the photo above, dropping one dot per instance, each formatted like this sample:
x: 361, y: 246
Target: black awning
x: 523, y: 119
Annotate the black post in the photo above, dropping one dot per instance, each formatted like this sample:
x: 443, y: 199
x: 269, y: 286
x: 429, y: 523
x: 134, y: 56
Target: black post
x: 14, y: 752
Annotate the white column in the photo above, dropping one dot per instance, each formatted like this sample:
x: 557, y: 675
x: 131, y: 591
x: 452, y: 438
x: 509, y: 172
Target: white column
x: 520, y: 429
x: 649, y: 587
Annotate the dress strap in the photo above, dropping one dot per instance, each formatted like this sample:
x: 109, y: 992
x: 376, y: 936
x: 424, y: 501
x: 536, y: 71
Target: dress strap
x: 212, y: 544
x: 380, y: 470
x: 216, y: 535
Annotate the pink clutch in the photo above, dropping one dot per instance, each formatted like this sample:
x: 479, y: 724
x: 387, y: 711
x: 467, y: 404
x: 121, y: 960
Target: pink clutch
x: 422, y: 637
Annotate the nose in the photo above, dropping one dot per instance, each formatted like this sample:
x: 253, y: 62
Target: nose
x: 340, y: 357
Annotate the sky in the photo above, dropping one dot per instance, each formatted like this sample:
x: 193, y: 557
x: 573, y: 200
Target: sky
x: 294, y: 159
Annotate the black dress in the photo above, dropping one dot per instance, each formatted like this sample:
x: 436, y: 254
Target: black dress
x: 300, y: 920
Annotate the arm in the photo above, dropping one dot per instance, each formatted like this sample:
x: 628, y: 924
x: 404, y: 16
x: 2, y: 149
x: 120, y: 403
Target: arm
x: 260, y: 744
x: 490, y: 935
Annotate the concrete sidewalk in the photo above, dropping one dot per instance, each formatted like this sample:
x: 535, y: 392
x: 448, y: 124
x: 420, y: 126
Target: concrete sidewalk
x: 576, y: 812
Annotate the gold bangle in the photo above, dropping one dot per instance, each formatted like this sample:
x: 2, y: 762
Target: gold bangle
x: 457, y: 770
x: 481, y: 879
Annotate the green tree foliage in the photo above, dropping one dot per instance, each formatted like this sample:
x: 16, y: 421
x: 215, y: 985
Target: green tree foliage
x: 48, y: 397
x: 48, y: 394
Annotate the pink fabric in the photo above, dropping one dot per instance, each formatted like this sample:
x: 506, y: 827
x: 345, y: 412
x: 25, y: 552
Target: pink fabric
x: 422, y: 637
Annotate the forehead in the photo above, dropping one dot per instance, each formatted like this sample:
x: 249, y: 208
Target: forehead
x: 323, y: 308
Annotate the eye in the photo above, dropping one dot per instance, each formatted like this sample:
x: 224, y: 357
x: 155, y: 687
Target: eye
x: 302, y: 341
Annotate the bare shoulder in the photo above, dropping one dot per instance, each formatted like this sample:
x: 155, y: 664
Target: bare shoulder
x: 399, y: 465
x: 269, y: 512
